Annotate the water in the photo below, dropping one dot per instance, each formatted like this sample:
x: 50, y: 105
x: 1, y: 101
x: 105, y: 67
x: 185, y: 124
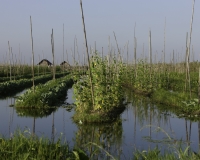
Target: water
x: 136, y: 128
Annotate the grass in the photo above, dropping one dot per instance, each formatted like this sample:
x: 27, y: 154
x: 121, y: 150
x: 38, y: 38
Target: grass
x: 155, y: 154
x: 174, y: 150
x: 23, y: 145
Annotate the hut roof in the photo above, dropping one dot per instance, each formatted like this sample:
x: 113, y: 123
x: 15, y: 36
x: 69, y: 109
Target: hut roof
x: 45, y: 60
x: 65, y: 63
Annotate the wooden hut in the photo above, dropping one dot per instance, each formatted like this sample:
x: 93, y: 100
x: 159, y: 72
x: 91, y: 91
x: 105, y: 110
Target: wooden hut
x: 45, y: 62
x: 65, y: 65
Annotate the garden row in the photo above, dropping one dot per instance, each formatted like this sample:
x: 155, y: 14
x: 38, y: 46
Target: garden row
x: 14, y: 86
x: 99, y: 92
x: 45, y: 95
x: 165, y: 84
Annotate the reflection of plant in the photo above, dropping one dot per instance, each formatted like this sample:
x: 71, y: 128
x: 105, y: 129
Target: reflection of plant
x: 177, y: 149
x: 35, y: 112
x: 106, y: 79
x: 101, y: 137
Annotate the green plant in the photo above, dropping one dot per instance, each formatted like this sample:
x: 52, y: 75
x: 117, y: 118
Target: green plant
x: 107, y: 84
x: 25, y: 145
x: 49, y: 94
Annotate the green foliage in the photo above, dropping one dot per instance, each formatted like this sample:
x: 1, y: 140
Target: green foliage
x: 25, y: 145
x: 49, y: 94
x: 106, y: 79
x: 191, y: 106
x: 165, y: 84
x: 11, y: 87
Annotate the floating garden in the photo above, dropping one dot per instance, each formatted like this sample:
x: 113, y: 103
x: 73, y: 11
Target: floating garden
x: 51, y: 93
x: 12, y: 87
x: 101, y: 99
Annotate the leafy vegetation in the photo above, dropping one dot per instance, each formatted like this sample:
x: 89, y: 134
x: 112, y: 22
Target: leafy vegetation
x: 165, y: 83
x: 107, y: 90
x: 25, y: 145
x: 49, y: 94
x: 12, y: 87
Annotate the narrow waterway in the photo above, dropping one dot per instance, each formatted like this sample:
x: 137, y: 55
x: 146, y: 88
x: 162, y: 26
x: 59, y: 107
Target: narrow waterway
x: 141, y: 126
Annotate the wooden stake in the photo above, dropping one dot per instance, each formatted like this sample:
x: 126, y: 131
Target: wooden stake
x: 32, y: 56
x: 52, y: 47
x: 87, y: 52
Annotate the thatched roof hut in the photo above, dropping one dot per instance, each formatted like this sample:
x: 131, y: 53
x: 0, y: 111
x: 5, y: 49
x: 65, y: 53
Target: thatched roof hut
x: 44, y: 62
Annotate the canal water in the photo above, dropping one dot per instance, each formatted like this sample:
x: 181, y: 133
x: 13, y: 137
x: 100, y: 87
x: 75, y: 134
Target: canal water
x: 141, y: 126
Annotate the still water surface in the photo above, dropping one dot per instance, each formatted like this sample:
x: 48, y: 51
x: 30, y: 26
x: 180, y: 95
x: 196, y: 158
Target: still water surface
x: 137, y: 127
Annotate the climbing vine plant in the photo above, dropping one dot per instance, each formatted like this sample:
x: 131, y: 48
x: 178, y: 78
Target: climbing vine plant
x: 107, y: 80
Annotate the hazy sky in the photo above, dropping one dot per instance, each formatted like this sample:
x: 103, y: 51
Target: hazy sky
x: 102, y: 17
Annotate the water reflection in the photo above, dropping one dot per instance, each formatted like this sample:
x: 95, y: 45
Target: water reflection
x: 35, y: 112
x: 158, y: 126
x: 95, y: 139
x: 136, y: 128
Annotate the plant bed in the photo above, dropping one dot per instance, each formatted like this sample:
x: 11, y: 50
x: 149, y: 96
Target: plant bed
x: 50, y: 94
x: 137, y: 90
x: 10, y: 88
x: 99, y: 93
x: 179, y: 102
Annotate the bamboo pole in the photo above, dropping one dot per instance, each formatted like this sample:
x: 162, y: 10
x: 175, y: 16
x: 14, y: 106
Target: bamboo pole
x: 52, y: 47
x: 32, y: 56
x: 164, y: 42
x: 117, y: 46
x: 127, y: 49
x: 186, y: 63
x: 63, y: 50
x: 13, y: 65
x: 135, y: 54
x: 78, y: 54
x: 87, y: 52
x: 199, y: 87
x: 188, y: 51
x: 9, y: 61
x: 150, y: 53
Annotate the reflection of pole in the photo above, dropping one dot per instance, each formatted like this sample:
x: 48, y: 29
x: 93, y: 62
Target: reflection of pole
x: 92, y: 142
x: 64, y: 122
x: 135, y: 120
x: 52, y: 132
x: 150, y: 122
x: 190, y: 132
x: 33, y: 125
x: 9, y: 123
x: 186, y: 131
x: 199, y: 134
x: 188, y: 135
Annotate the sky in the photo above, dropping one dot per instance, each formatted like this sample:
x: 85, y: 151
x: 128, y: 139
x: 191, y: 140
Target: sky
x: 103, y: 18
